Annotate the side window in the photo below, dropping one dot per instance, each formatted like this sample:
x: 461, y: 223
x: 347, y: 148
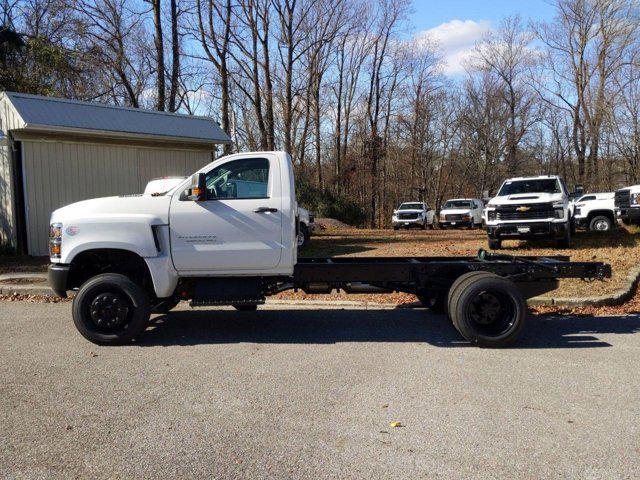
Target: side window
x: 587, y: 198
x: 246, y: 178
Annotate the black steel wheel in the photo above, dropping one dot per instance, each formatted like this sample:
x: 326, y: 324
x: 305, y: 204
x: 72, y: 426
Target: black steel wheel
x: 489, y: 311
x: 110, y: 309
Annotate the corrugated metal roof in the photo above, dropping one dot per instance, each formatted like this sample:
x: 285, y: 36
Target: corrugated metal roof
x: 58, y: 114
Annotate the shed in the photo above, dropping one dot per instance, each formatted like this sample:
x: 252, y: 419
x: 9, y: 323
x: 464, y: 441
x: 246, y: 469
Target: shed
x: 56, y: 151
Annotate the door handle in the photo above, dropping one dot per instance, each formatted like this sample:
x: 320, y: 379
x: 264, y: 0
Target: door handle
x: 266, y: 210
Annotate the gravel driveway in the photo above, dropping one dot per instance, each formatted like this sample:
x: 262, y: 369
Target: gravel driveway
x: 310, y: 393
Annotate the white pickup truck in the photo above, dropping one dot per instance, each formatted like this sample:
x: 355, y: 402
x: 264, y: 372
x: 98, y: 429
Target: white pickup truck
x: 227, y: 236
x: 413, y: 214
x: 530, y: 207
x: 627, y: 204
x: 595, y: 212
x: 461, y: 212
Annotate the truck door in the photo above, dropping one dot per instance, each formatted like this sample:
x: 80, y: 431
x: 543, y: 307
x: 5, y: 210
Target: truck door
x: 239, y: 225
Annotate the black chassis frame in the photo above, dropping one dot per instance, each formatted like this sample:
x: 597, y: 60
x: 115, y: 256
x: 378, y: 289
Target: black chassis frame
x: 433, y: 276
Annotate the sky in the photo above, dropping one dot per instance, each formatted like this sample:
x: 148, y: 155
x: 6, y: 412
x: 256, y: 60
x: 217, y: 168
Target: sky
x: 458, y: 24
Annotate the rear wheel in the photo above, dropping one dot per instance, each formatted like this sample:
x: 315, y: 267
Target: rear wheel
x: 303, y: 236
x: 495, y: 244
x: 489, y: 311
x: 460, y: 282
x: 600, y: 224
x: 111, y: 309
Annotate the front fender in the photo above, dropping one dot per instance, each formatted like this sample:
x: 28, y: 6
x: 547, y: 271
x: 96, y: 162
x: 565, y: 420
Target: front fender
x: 134, y: 234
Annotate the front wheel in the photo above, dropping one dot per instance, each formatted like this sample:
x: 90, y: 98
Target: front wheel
x: 495, y: 244
x: 565, y: 240
x: 488, y: 310
x: 111, y: 309
x: 600, y: 224
x: 303, y: 236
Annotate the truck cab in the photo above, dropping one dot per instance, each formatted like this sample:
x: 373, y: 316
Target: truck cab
x: 413, y: 214
x: 627, y: 204
x: 461, y: 212
x: 530, y: 207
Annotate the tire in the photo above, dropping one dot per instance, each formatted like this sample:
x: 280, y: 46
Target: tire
x: 303, y: 236
x: 600, y: 223
x: 165, y: 306
x: 111, y: 309
x: 489, y: 311
x: 246, y: 308
x: 495, y: 244
x: 423, y: 226
x: 436, y: 304
x: 460, y: 282
x: 396, y: 228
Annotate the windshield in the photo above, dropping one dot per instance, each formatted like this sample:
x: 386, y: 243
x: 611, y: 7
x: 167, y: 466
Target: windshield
x: 410, y: 206
x: 546, y: 185
x: 457, y: 204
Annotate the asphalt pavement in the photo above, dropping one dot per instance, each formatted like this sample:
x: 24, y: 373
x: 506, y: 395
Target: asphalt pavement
x: 293, y: 392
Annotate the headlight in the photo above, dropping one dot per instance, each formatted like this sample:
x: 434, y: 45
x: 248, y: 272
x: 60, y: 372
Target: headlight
x: 635, y: 199
x: 55, y: 240
x: 558, y: 210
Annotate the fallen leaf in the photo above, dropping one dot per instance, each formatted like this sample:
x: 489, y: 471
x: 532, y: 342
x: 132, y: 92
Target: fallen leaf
x: 396, y: 424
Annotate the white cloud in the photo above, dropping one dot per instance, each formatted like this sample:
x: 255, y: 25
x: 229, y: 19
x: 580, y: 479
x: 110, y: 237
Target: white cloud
x: 456, y: 40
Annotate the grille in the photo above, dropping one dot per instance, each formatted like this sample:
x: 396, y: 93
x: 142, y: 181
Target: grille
x: 622, y: 198
x: 455, y: 217
x: 536, y: 211
x: 408, y: 216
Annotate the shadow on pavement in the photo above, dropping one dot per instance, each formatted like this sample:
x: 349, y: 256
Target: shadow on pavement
x: 334, y: 326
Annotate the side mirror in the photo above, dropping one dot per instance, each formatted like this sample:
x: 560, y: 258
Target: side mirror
x: 198, y: 187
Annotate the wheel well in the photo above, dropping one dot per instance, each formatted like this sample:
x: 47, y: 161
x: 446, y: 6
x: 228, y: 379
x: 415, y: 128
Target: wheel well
x: 90, y: 263
x: 604, y: 213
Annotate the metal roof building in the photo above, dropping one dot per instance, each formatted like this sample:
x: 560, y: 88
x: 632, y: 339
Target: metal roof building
x: 55, y: 151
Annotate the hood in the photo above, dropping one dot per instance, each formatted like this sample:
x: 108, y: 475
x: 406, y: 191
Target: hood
x: 408, y: 211
x: 124, y: 206
x: 455, y: 211
x: 526, y: 198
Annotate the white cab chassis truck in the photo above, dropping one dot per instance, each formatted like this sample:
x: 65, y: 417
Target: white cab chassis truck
x: 530, y: 207
x: 227, y: 236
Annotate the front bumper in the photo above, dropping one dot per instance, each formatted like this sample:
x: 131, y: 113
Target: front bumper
x: 527, y: 230
x: 456, y: 223
x: 57, y: 275
x: 412, y: 222
x: 628, y: 214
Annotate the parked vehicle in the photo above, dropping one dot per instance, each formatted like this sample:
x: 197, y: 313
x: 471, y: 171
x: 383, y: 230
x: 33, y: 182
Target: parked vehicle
x: 595, y: 212
x: 530, y: 207
x: 162, y: 185
x: 306, y: 226
x: 215, y: 243
x: 627, y: 204
x: 413, y: 214
x: 461, y: 212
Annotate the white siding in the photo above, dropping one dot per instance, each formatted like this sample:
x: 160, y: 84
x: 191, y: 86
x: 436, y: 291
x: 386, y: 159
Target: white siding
x: 8, y: 120
x: 60, y: 173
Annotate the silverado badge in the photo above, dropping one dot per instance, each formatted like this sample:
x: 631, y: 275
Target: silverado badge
x: 523, y: 209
